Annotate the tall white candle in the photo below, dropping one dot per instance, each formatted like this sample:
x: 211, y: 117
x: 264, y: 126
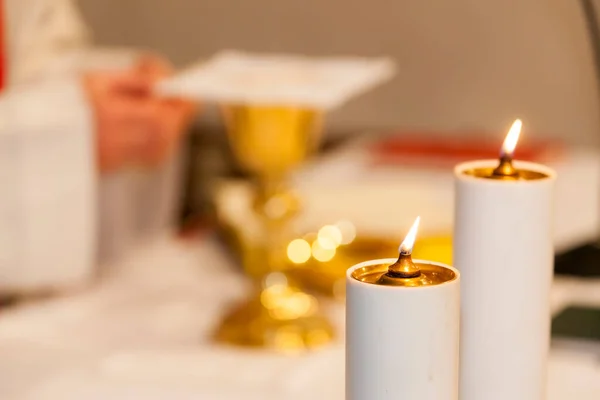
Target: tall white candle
x: 402, y: 333
x: 503, y: 249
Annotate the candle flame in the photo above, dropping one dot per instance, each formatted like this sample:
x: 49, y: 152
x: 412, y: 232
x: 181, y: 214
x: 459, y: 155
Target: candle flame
x: 409, y: 241
x: 510, y: 143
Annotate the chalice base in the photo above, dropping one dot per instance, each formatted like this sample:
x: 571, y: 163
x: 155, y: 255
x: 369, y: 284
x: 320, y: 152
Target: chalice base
x: 251, y: 324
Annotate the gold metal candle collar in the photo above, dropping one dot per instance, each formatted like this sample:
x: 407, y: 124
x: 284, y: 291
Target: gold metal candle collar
x: 405, y: 272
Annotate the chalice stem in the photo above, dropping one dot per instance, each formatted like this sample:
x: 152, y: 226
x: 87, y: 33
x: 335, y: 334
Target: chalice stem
x: 276, y: 207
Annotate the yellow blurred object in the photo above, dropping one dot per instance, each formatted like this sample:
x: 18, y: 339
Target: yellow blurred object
x: 325, y: 271
x: 326, y: 276
x: 269, y: 142
x: 282, y: 317
x: 434, y: 248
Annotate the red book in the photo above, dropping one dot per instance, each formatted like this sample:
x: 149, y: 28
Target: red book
x: 442, y: 151
x: 3, y: 64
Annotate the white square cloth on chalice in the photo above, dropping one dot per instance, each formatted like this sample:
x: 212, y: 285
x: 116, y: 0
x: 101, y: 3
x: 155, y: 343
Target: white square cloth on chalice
x: 235, y: 77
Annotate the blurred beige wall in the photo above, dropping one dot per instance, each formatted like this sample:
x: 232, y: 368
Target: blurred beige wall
x: 462, y: 64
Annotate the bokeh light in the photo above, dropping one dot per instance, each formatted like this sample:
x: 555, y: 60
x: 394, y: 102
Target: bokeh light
x: 298, y: 251
x: 275, y: 207
x: 310, y: 237
x: 320, y: 253
x: 348, y: 231
x: 329, y: 237
x: 275, y: 278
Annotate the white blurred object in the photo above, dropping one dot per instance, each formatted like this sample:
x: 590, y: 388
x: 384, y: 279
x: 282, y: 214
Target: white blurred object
x: 39, y: 32
x: 237, y: 77
x: 47, y: 223
x: 49, y: 233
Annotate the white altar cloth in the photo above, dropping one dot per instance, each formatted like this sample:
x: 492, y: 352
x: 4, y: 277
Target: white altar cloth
x: 144, y: 334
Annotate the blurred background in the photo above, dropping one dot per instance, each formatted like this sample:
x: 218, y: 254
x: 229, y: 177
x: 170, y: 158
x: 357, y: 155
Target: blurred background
x: 462, y: 67
x: 508, y: 59
x: 164, y: 247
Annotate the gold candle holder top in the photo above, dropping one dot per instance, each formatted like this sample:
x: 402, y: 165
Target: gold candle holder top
x: 523, y: 174
x: 405, y: 272
x: 505, y: 170
x: 431, y: 275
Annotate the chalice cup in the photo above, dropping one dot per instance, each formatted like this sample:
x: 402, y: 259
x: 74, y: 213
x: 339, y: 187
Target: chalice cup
x: 269, y: 142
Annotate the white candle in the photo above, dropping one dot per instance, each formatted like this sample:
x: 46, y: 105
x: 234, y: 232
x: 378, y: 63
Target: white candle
x: 402, y: 329
x: 503, y: 249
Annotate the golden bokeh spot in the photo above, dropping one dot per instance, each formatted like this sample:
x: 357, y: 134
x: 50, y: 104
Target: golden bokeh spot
x: 298, y: 251
x: 320, y: 253
x: 348, y: 231
x: 329, y: 237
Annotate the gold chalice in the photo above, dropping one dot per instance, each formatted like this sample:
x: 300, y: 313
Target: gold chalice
x: 269, y: 142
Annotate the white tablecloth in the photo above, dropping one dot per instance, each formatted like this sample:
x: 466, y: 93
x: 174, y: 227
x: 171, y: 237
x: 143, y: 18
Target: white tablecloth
x: 144, y: 334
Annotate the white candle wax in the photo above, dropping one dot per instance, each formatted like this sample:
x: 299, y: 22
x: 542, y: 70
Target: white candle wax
x: 503, y: 249
x: 402, y: 342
